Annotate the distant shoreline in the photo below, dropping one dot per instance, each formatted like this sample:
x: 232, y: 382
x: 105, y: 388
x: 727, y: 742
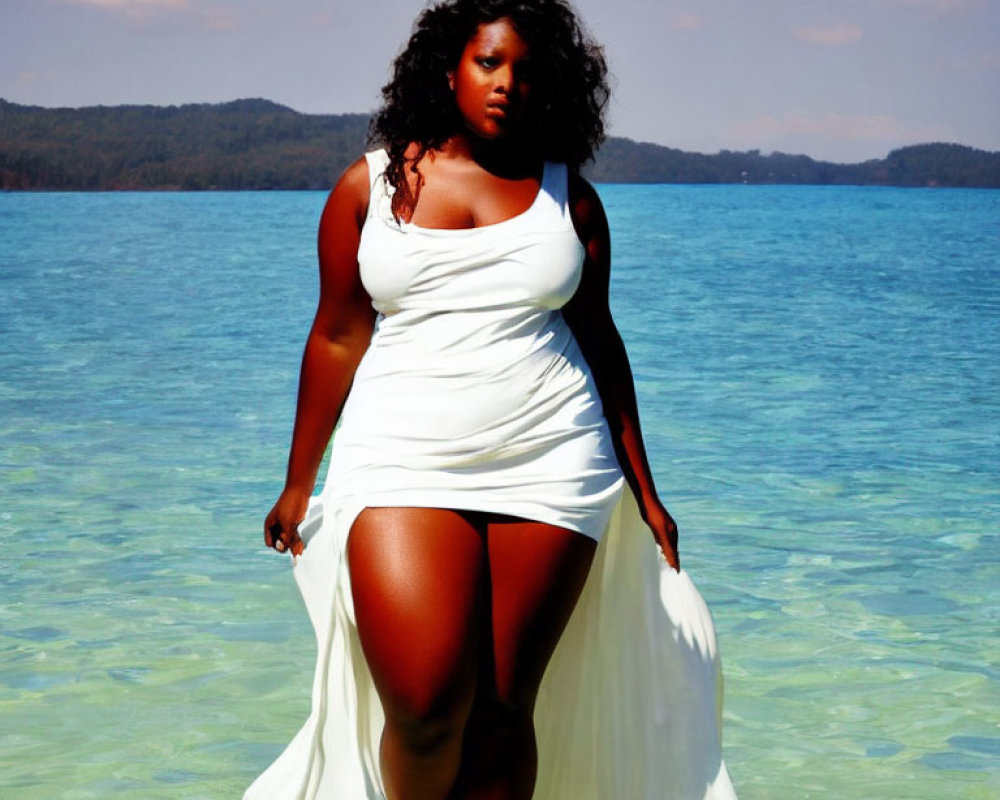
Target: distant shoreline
x: 260, y: 145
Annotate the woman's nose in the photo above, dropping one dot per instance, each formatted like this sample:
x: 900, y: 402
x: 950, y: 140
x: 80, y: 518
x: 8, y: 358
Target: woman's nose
x: 504, y: 80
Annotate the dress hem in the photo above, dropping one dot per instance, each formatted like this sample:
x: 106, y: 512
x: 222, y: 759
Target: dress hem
x: 636, y: 678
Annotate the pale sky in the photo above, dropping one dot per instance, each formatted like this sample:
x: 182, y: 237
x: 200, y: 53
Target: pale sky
x: 842, y: 80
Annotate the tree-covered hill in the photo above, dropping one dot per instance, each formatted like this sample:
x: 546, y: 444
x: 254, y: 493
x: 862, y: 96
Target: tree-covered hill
x: 625, y: 161
x: 257, y: 144
x: 246, y: 144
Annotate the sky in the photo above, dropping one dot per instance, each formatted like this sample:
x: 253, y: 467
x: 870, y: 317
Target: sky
x: 839, y: 80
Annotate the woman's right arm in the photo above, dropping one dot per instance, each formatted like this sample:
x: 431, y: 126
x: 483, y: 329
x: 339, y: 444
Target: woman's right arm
x: 339, y: 336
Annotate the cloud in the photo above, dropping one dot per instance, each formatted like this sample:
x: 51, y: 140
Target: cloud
x: 321, y: 19
x: 686, y: 20
x: 134, y: 5
x: 841, y: 127
x: 160, y: 15
x: 829, y: 35
x: 29, y: 79
x: 939, y: 8
x: 943, y: 6
x: 970, y: 64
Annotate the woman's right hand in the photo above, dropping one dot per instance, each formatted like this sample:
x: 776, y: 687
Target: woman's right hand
x: 281, y: 527
x: 339, y: 337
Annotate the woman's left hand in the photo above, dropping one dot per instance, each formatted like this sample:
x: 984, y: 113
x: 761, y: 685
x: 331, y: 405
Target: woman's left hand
x: 588, y: 315
x: 664, y: 531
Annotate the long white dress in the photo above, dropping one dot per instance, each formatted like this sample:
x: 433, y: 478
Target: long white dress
x: 474, y: 395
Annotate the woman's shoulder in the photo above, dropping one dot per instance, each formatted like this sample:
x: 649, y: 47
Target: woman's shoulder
x: 357, y: 173
x: 579, y: 187
x: 352, y: 191
x: 585, y: 205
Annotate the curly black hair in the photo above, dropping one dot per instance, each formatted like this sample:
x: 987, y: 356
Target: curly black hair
x: 569, y: 89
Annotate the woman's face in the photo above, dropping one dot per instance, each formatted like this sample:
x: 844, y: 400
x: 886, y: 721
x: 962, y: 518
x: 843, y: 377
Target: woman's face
x: 492, y: 82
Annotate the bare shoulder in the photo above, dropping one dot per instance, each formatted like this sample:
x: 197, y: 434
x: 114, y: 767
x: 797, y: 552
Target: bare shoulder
x: 348, y: 199
x: 586, y: 209
x: 339, y: 238
x: 355, y: 177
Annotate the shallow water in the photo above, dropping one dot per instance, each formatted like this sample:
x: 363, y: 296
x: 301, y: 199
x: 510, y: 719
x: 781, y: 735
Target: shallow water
x: 818, y: 376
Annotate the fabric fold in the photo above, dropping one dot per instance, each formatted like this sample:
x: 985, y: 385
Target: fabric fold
x: 630, y: 706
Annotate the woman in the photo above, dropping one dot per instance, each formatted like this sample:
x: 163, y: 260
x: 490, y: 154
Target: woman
x: 488, y: 418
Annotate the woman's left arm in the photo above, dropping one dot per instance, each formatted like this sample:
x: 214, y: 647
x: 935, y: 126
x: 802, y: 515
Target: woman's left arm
x: 589, y: 317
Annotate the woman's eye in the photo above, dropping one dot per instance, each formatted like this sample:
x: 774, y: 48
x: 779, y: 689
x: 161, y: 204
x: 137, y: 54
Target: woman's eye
x: 488, y: 62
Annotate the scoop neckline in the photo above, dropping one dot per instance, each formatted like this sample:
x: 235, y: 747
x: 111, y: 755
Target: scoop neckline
x: 490, y: 226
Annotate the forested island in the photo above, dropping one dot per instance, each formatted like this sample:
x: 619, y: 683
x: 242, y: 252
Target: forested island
x: 257, y: 144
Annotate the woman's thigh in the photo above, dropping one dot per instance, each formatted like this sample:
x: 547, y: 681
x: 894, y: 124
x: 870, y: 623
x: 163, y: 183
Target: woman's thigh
x: 417, y: 578
x: 537, y: 572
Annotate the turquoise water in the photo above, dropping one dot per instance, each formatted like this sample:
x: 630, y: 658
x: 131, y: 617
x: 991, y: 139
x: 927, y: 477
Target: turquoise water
x: 818, y: 374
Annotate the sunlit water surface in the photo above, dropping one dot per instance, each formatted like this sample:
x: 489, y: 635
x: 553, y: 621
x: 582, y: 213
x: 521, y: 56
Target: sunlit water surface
x: 818, y: 375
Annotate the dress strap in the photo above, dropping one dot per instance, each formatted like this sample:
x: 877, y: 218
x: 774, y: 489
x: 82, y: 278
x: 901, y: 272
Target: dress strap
x: 379, y: 194
x: 555, y: 188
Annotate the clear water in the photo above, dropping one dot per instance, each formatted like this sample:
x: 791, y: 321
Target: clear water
x: 818, y: 371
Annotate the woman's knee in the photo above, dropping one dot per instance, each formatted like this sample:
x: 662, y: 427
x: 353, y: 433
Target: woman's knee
x: 425, y: 723
x: 504, y: 717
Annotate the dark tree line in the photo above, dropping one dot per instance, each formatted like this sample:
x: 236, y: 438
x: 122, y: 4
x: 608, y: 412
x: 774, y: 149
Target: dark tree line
x: 625, y: 161
x: 257, y: 144
x: 246, y: 144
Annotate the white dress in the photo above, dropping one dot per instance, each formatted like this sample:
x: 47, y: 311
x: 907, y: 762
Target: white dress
x: 473, y: 394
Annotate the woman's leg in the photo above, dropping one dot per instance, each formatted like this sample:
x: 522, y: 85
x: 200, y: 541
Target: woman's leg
x: 417, y: 577
x: 536, y: 574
